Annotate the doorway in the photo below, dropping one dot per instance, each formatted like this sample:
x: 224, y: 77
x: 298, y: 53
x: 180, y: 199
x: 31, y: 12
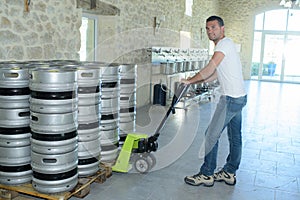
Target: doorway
x: 276, y: 46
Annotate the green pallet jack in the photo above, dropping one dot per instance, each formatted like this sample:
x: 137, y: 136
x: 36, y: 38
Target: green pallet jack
x: 137, y: 148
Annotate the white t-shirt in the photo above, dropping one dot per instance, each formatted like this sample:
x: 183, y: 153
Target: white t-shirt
x: 229, y: 70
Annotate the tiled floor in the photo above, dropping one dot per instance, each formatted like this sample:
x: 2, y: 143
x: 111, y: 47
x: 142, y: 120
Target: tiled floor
x: 270, y: 167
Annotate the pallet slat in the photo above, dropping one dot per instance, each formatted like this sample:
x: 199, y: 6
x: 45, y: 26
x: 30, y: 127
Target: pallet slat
x: 8, y: 192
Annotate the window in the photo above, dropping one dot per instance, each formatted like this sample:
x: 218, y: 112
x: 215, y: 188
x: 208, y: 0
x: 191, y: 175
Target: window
x: 259, y: 22
x: 294, y: 23
x: 275, y: 46
x: 189, y: 7
x: 88, y: 31
x: 278, y: 16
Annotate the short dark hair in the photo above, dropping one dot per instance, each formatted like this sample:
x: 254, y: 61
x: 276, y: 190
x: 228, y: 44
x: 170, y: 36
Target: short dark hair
x: 219, y: 19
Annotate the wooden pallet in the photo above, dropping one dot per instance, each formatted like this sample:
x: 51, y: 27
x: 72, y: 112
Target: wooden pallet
x: 82, y: 189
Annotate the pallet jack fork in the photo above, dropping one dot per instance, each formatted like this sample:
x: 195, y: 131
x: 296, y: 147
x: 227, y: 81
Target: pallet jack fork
x: 138, y: 147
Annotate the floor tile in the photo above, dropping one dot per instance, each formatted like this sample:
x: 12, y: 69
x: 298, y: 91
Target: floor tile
x: 259, y: 165
x: 277, y: 156
x: 251, y: 192
x: 280, y: 195
x: 268, y: 146
x: 251, y: 153
x: 285, y: 169
x: 297, y: 159
x: 288, y: 148
x: 283, y: 183
x: 296, y: 142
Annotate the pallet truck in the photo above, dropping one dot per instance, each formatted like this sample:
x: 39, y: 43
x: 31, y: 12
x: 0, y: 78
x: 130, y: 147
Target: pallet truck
x: 137, y: 148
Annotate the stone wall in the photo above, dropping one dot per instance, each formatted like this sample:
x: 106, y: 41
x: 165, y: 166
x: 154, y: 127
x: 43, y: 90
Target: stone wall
x: 127, y: 38
x: 133, y: 28
x: 50, y: 30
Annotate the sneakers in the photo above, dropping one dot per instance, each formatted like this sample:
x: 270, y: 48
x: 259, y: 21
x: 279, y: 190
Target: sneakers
x: 228, y: 178
x: 208, y: 181
x: 200, y: 179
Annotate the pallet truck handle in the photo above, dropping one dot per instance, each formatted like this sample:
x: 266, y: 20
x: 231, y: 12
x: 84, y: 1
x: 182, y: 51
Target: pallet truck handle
x: 180, y: 91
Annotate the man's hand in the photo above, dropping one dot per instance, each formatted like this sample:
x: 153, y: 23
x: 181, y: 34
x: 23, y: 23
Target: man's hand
x: 185, y: 81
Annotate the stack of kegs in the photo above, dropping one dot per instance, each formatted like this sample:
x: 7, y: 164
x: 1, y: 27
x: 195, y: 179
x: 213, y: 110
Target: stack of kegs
x: 89, y: 116
x: 128, y: 74
x: 53, y: 123
x: 14, y: 124
x: 109, y: 125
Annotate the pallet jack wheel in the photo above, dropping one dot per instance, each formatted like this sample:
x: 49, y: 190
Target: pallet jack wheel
x: 152, y: 160
x: 141, y: 164
x: 144, y: 162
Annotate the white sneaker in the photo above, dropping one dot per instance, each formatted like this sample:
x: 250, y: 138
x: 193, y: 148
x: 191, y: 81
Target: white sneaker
x: 228, y: 178
x: 199, y: 179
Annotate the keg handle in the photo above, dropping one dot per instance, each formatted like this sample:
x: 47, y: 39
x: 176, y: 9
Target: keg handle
x: 24, y: 114
x: 34, y: 118
x: 11, y: 75
x: 87, y: 75
x: 49, y: 160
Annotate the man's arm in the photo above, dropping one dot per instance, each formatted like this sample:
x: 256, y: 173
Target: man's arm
x: 213, y: 77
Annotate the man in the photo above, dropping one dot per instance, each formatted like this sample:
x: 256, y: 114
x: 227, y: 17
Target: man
x: 225, y: 65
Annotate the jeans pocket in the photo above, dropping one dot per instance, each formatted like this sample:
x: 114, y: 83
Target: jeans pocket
x: 236, y: 104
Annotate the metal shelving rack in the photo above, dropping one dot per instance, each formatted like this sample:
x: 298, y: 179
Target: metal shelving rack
x: 168, y: 54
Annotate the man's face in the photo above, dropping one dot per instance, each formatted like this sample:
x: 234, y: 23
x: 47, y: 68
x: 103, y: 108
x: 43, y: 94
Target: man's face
x: 214, y: 31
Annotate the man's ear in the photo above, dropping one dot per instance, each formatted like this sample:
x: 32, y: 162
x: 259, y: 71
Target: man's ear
x: 223, y: 28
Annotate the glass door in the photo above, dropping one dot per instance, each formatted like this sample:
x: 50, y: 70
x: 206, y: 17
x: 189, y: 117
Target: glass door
x: 272, y: 57
x: 291, y: 56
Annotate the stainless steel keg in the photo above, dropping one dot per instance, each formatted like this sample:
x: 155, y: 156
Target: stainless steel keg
x: 51, y: 185
x: 110, y: 105
x: 15, y: 175
x: 89, y: 166
x: 13, y: 75
x: 128, y: 76
x: 53, y: 90
x: 128, y: 100
x: 15, y: 134
x: 88, y: 113
x: 54, y: 173
x: 54, y: 163
x: 53, y: 79
x: 89, y: 84
x: 110, y: 76
x: 53, y: 123
x: 15, y: 146
x: 54, y: 144
x: 110, y: 87
x: 14, y: 118
x: 14, y: 82
x: 87, y: 134
x: 89, y: 149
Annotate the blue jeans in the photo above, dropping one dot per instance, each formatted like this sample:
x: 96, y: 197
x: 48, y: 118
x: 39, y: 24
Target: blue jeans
x: 227, y: 114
